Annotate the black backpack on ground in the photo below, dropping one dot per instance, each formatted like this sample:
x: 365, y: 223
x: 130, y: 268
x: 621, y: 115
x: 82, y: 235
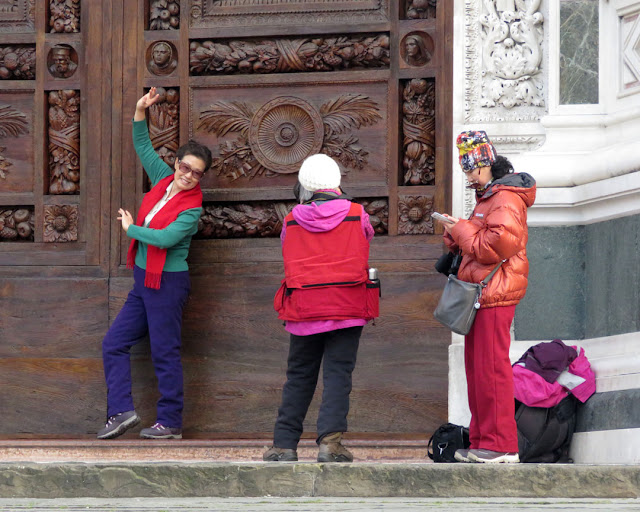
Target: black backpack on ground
x: 544, y: 434
x: 446, y: 440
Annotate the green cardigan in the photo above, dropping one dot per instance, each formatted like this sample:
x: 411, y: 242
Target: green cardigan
x: 176, y: 237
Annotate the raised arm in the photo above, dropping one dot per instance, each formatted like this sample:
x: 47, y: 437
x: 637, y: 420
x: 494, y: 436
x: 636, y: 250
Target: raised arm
x: 154, y: 166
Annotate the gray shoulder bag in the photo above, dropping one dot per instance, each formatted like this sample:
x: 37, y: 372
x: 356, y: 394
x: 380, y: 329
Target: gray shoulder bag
x: 460, y: 302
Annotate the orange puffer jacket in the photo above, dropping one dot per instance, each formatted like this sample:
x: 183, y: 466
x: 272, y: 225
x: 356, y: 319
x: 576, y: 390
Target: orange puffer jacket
x: 497, y: 230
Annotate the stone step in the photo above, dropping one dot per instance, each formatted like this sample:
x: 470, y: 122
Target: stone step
x: 299, y: 479
x: 236, y: 450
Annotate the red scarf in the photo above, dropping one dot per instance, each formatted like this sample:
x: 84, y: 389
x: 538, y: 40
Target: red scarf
x: 156, y: 257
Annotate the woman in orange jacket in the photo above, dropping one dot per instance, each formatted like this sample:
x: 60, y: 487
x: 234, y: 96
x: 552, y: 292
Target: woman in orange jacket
x: 495, y: 232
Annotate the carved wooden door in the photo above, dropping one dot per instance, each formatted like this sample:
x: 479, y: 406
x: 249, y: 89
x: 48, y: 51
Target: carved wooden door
x: 264, y: 84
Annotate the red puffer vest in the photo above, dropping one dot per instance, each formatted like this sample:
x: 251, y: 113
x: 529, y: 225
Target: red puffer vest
x: 326, y: 273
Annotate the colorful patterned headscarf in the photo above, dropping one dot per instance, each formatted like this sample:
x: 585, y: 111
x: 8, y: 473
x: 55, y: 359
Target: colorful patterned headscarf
x: 475, y: 149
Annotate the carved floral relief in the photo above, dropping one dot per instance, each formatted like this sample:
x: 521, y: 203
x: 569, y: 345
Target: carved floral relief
x: 414, y: 215
x: 164, y: 124
x: 512, y: 37
x: 278, y: 136
x: 378, y: 210
x: 13, y: 123
x: 418, y: 129
x: 420, y: 9
x: 64, y: 142
x: 233, y: 220
x: 289, y: 55
x: 164, y: 15
x: 17, y: 62
x: 16, y: 224
x: 262, y: 219
x: 64, y: 16
x: 60, y: 223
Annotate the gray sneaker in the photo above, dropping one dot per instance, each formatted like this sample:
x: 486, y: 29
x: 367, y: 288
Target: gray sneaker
x: 118, y: 424
x: 159, y: 431
x: 491, y: 457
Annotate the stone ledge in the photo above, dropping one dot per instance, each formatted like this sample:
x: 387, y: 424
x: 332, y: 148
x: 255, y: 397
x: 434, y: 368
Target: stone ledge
x: 73, y: 480
x: 131, y: 448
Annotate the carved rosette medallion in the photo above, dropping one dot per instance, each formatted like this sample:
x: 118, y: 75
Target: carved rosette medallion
x: 17, y: 62
x: 64, y: 142
x: 419, y: 132
x: 60, y: 223
x: 16, y: 224
x: 64, y: 16
x: 414, y: 215
x: 284, y: 132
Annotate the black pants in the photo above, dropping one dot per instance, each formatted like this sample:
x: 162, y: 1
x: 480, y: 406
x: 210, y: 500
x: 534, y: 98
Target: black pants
x: 339, y: 349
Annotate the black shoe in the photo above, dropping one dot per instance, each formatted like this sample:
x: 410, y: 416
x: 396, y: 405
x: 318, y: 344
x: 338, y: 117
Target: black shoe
x: 275, y: 454
x: 118, y: 424
x: 159, y: 431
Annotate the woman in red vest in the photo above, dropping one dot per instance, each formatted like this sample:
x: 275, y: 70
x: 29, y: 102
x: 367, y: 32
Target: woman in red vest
x: 325, y: 300
x: 160, y: 239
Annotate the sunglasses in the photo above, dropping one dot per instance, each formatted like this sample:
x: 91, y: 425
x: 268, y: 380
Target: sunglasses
x: 186, y: 169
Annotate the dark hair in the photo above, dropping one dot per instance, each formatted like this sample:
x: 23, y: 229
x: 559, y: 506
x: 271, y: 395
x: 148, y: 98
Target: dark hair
x: 501, y: 167
x: 195, y: 149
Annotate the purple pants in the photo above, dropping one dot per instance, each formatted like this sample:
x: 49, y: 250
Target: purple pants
x: 157, y: 313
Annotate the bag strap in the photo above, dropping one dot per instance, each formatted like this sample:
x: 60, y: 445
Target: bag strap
x: 486, y: 280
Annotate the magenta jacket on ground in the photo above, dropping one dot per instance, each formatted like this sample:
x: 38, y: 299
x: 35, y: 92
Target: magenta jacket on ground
x: 317, y: 218
x: 532, y: 390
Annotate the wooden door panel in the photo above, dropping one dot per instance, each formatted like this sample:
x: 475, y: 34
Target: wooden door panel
x: 263, y: 83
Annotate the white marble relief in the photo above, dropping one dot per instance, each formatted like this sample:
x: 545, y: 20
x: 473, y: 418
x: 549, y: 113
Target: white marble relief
x: 504, y: 60
x: 512, y: 53
x: 630, y: 54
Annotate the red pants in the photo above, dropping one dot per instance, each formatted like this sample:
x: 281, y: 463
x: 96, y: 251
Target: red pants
x: 490, y: 381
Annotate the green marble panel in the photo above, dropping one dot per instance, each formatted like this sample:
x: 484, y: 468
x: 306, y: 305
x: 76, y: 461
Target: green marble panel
x: 579, y: 52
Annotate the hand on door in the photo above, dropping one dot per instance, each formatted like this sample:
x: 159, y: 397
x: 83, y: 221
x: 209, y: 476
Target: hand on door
x: 144, y: 103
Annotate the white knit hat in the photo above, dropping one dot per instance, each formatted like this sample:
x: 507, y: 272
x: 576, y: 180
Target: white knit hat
x: 319, y: 172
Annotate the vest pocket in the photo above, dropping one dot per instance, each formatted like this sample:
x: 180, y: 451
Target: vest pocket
x: 373, y: 299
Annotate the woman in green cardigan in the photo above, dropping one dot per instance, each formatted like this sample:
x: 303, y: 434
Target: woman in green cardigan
x: 160, y: 239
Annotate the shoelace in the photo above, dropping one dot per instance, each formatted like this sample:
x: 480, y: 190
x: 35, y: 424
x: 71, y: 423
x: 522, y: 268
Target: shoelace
x: 158, y: 426
x: 112, y: 419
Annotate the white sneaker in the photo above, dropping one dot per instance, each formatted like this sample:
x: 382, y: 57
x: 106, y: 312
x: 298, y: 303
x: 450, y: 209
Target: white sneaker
x: 462, y: 455
x: 491, y: 457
